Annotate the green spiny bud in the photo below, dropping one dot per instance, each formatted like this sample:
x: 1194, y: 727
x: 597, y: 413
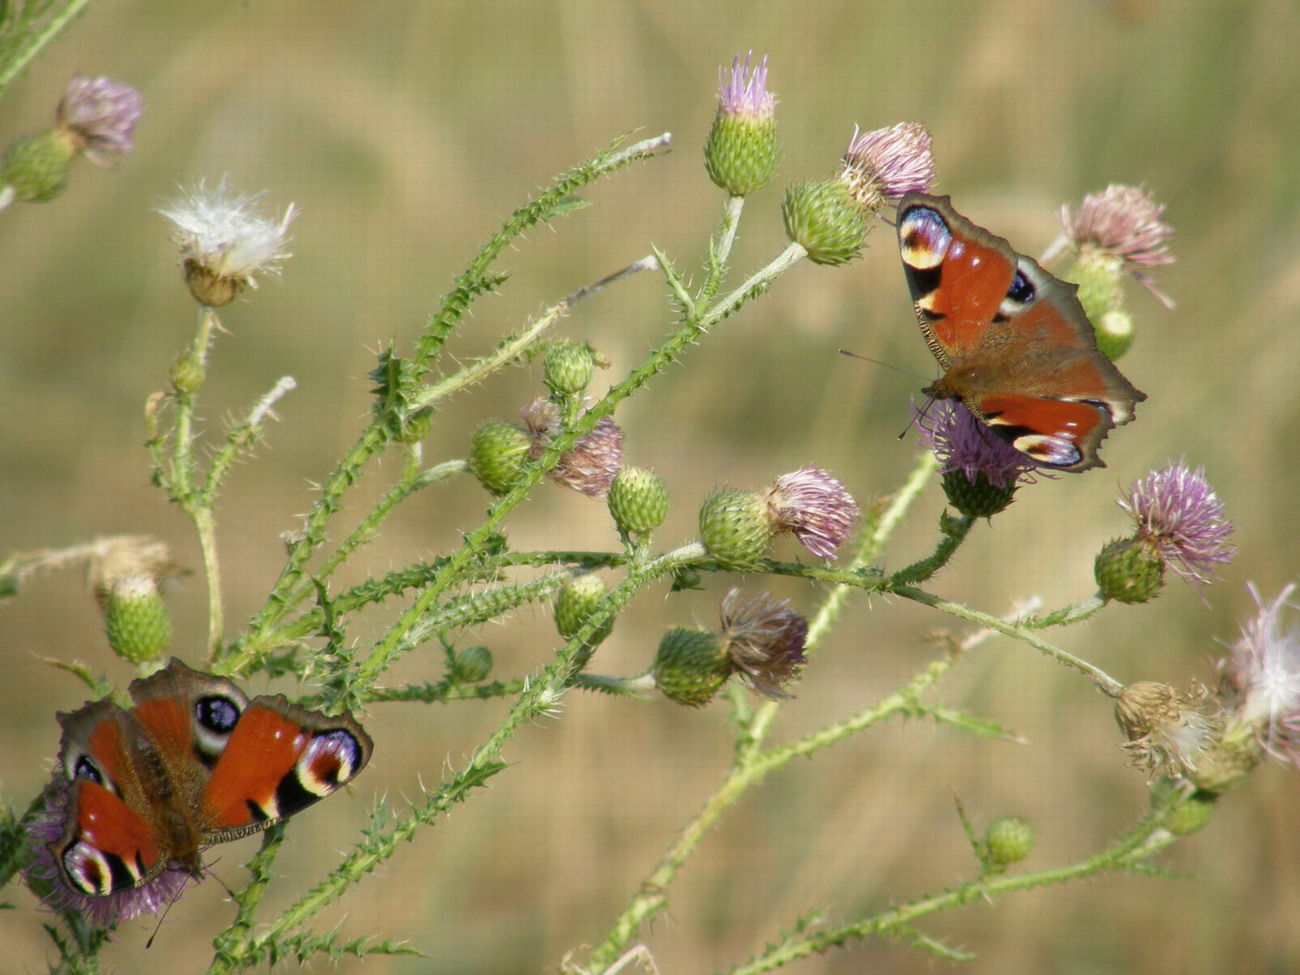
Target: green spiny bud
x: 979, y: 498
x: 1128, y: 570
x: 735, y: 527
x: 1115, y: 333
x: 36, y: 168
x: 1184, y: 814
x: 742, y: 153
x: 188, y: 374
x: 569, y: 368
x: 471, y: 665
x: 575, y: 604
x: 1229, y: 760
x: 1007, y: 840
x: 137, y: 624
x: 638, y: 501
x: 691, y: 666
x: 496, y: 455
x: 822, y: 216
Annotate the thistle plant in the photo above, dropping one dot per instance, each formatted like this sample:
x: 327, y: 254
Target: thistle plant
x: 746, y: 668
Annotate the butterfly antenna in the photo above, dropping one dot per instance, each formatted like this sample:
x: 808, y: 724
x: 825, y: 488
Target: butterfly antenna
x: 167, y: 910
x: 929, y: 402
x: 887, y: 365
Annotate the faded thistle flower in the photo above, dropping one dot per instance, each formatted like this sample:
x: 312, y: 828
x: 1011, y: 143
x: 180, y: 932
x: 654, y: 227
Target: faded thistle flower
x: 49, y: 882
x: 225, y: 241
x: 594, y: 460
x: 1179, y: 520
x: 95, y: 116
x: 742, y: 153
x: 761, y: 640
x: 981, y: 471
x: 814, y: 507
x: 1119, y: 231
x: 736, y: 527
x: 99, y: 115
x: 764, y: 638
x: 1259, y: 687
x: 829, y: 218
x: 1168, y: 730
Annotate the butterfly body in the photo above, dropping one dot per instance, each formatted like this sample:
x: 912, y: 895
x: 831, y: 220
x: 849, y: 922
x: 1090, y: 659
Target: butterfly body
x: 1015, y: 345
x: 193, y: 763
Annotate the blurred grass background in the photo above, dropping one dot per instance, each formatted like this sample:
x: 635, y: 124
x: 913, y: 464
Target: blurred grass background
x: 406, y: 132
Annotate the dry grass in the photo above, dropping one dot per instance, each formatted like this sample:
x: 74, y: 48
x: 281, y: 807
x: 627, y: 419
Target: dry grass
x: 405, y: 132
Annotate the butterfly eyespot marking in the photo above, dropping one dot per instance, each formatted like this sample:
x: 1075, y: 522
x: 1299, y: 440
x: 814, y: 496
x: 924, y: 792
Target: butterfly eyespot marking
x: 1022, y: 290
x: 924, y: 239
x: 215, y: 717
x: 96, y: 873
x: 1048, y: 450
x: 85, y: 768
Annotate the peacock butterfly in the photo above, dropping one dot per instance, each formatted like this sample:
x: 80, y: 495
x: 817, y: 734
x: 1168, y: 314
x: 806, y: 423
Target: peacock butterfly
x: 193, y: 763
x: 1017, y: 349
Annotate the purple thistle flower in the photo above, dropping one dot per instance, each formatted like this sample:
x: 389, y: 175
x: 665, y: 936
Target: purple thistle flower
x: 100, y: 114
x: 1126, y: 223
x: 962, y: 443
x: 765, y: 640
x: 815, y: 507
x: 885, y: 164
x: 1179, y: 515
x: 594, y: 461
x: 47, y: 827
x: 1262, y: 677
x: 746, y: 94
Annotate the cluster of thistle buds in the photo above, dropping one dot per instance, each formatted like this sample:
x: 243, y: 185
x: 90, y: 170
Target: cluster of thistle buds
x: 95, y: 118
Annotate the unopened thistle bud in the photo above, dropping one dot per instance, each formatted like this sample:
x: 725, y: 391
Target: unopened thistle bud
x: 691, y: 666
x: 570, y: 367
x: 1008, y: 839
x: 823, y: 218
x: 575, y: 604
x: 1128, y: 570
x: 497, y: 454
x: 126, y: 575
x: 742, y: 153
x: 1185, y: 812
x: 736, y: 528
x: 471, y: 665
x: 35, y: 169
x: 136, y: 622
x: 638, y: 501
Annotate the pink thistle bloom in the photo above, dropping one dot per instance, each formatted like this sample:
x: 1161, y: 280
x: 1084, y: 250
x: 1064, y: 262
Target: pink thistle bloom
x: 594, y: 461
x: 100, y: 115
x: 815, y: 507
x: 962, y: 443
x: 1178, y: 513
x: 47, y: 827
x: 765, y: 640
x: 885, y: 164
x: 1262, y: 677
x: 746, y: 94
x: 1126, y: 223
